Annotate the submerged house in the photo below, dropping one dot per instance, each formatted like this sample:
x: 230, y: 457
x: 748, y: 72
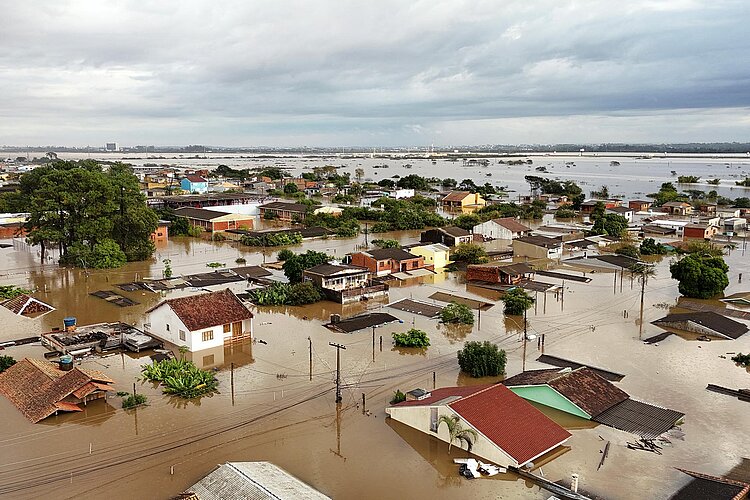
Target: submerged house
x: 585, y: 394
x: 384, y: 261
x: 449, y: 236
x: 436, y: 255
x: 201, y: 321
x: 511, y: 432
x: 505, y: 274
x: 343, y: 283
x: 462, y: 199
x: 504, y: 228
x: 39, y: 388
x: 705, y: 323
x: 538, y: 247
x: 26, y: 305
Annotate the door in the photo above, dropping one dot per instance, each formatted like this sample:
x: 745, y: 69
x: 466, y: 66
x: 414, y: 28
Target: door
x: 237, y: 329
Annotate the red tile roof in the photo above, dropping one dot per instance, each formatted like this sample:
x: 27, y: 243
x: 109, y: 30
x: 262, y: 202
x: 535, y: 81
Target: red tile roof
x: 456, y: 195
x: 511, y: 422
x: 195, y: 178
x: 37, y: 388
x: 208, y: 309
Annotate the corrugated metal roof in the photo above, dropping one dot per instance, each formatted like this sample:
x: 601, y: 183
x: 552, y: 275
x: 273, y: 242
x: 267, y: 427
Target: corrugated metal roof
x: 639, y: 418
x: 715, y: 322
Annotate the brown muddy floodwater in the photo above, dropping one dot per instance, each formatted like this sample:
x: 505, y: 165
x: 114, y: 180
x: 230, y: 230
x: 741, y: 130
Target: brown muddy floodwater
x: 278, y: 414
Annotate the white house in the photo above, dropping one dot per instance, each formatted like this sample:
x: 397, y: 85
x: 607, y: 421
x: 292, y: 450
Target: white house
x: 201, y: 321
x: 505, y: 228
x: 626, y: 212
x: 510, y: 431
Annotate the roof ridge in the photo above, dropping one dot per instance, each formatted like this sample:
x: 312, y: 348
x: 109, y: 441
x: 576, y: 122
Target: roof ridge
x: 463, y: 398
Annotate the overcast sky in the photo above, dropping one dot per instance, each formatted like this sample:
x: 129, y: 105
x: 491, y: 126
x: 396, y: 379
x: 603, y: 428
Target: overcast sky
x: 334, y: 73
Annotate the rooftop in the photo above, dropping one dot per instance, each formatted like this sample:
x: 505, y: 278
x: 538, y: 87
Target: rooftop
x: 540, y: 241
x: 454, y: 231
x: 511, y: 224
x: 282, y: 205
x: 456, y: 195
x: 722, y: 325
x: 199, y: 213
x: 391, y: 254
x: 208, y: 309
x: 335, y: 269
x: 195, y: 178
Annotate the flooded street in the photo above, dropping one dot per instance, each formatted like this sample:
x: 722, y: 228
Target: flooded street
x: 278, y: 414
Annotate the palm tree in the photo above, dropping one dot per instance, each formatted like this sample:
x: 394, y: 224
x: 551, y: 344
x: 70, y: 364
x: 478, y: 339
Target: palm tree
x: 457, y: 432
x: 643, y: 271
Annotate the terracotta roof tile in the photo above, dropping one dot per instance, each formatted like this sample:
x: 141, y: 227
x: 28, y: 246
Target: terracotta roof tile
x: 511, y: 224
x: 588, y: 391
x: 208, y: 309
x: 510, y: 422
x: 456, y: 195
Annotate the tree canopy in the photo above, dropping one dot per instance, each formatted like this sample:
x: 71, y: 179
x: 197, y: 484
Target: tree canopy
x: 294, y: 265
x: 84, y: 207
x: 482, y: 359
x: 516, y: 301
x: 701, y: 276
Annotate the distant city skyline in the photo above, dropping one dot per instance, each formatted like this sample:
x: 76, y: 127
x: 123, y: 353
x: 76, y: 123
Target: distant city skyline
x: 372, y: 74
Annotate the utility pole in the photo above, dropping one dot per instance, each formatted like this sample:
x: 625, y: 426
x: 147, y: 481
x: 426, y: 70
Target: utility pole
x: 366, y: 233
x: 640, y: 321
x: 231, y: 375
x: 310, y: 341
x: 338, y: 369
x: 523, y: 366
x: 373, y: 344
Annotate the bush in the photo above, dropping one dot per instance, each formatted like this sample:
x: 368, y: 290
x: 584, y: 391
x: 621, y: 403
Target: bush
x: 649, y: 246
x: 133, y: 400
x: 386, y: 243
x: 303, y: 293
x: 457, y: 313
x: 272, y: 239
x: 12, y: 291
x: 6, y: 362
x: 240, y: 260
x: 398, y: 396
x: 742, y: 359
x: 482, y: 359
x: 700, y: 276
x: 285, y: 254
x: 294, y: 265
x: 467, y: 221
x: 180, y: 378
x: 285, y: 294
x: 471, y: 253
x: 516, y: 301
x: 565, y: 213
x: 412, y: 338
x: 215, y: 265
x: 628, y: 251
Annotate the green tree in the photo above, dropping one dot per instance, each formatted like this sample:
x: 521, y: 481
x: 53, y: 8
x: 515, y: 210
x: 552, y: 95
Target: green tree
x: 412, y: 338
x: 516, y: 301
x: 482, y: 359
x: 294, y: 266
x: 167, y: 268
x: 467, y: 221
x: 649, y: 246
x: 471, y: 253
x: 700, y: 276
x: 413, y: 181
x: 285, y: 254
x: 303, y: 293
x: 456, y: 432
x: 609, y: 224
x: 628, y: 251
x: 457, y: 313
x: 565, y: 213
x: 386, y: 243
x: 6, y: 362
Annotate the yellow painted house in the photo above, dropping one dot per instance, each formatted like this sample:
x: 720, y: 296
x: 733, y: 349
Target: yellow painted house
x: 462, y: 199
x: 436, y: 255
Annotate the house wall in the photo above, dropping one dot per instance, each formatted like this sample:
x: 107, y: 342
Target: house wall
x: 160, y: 234
x: 524, y: 249
x: 418, y: 417
x: 493, y: 230
x: 162, y: 316
x: 436, y: 259
x: 544, y: 394
x: 362, y: 260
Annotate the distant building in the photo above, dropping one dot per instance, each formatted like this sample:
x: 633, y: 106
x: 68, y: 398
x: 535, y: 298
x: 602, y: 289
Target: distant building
x: 622, y: 211
x: 449, y: 236
x: 213, y: 221
x: 194, y: 184
x: 161, y: 233
x: 504, y: 274
x: 700, y: 231
x: 462, y: 199
x: 111, y: 147
x: 436, y: 255
x: 505, y: 228
x: 640, y: 205
x: 677, y: 208
x: 283, y: 211
x: 201, y: 321
x: 538, y: 247
x: 384, y: 261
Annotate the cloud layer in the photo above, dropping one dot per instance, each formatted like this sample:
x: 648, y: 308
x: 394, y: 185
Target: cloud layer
x: 373, y: 73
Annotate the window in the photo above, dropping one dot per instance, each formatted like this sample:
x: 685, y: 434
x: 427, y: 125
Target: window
x: 167, y: 326
x: 208, y: 335
x: 434, y: 419
x: 182, y: 334
x: 227, y: 328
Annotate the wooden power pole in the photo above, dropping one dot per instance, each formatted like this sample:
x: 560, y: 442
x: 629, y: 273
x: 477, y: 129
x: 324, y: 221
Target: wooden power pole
x: 338, y: 369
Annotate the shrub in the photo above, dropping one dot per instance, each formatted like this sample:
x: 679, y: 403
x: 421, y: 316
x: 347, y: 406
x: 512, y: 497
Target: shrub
x: 272, y: 239
x: 412, y: 338
x: 649, y: 246
x: 565, y: 213
x: 303, y: 293
x: 240, y: 260
x: 471, y: 253
x: 215, y: 265
x: 6, y: 362
x: 516, y: 301
x: 628, y: 251
x: 467, y: 221
x: 285, y: 294
x: 285, y: 254
x: 12, y: 291
x: 457, y: 313
x: 131, y: 401
x: 180, y: 378
x: 482, y: 359
x: 386, y: 243
x: 742, y: 359
x: 398, y: 396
